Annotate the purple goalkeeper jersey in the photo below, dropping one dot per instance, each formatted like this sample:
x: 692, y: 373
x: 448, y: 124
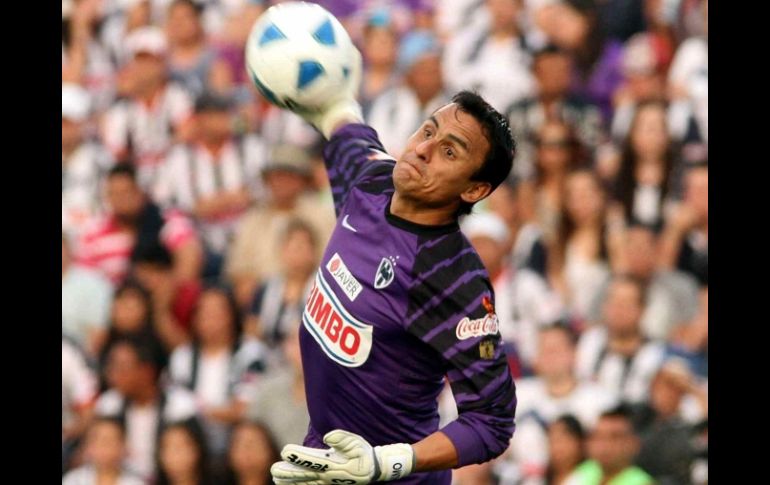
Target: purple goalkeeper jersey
x: 395, y: 308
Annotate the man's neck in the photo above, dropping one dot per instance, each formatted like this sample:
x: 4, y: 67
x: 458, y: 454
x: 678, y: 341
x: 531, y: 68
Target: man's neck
x: 214, y: 145
x: 107, y: 474
x: 410, y: 211
x: 626, y: 345
x: 560, y: 386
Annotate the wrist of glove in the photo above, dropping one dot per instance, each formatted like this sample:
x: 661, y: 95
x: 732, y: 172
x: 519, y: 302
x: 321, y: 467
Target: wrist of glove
x: 350, y: 460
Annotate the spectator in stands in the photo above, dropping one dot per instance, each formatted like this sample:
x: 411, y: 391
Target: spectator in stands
x: 137, y: 397
x: 616, y: 353
x: 133, y: 224
x: 141, y: 127
x: 400, y: 110
x: 79, y: 388
x: 523, y: 301
x: 191, y: 59
x: 644, y: 182
x: 281, y: 400
x: 182, y: 456
x: 552, y: 68
x: 526, y: 246
x: 379, y: 52
x: 667, y: 444
x: 86, y: 297
x: 172, y: 304
x: 278, y: 304
x: 574, y: 25
x: 492, y: 59
x: 554, y: 391
x: 567, y: 446
x: 132, y: 316
x: 688, y: 78
x: 558, y: 152
x: 214, y: 177
x: 612, y: 448
x: 672, y: 296
x: 252, y: 258
x: 691, y: 340
x: 105, y: 452
x: 252, y: 452
x: 685, y: 243
x: 579, y: 254
x: 220, y: 368
x: 84, y: 162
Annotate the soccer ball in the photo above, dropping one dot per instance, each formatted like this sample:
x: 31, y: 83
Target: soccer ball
x: 299, y: 56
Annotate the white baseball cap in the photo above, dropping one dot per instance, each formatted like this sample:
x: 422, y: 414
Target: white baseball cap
x: 485, y: 224
x: 75, y: 102
x: 150, y: 40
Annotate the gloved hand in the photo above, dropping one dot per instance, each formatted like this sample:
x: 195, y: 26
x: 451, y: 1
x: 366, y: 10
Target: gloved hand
x: 341, y: 107
x: 349, y: 461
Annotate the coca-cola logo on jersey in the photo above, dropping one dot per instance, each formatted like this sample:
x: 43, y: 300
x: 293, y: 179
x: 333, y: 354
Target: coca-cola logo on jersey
x: 477, y: 327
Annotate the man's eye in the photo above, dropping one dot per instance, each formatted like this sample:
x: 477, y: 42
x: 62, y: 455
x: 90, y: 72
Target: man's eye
x: 426, y: 133
x: 449, y: 152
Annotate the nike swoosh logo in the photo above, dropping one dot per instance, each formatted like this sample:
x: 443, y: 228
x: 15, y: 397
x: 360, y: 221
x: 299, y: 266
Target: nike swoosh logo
x: 346, y: 225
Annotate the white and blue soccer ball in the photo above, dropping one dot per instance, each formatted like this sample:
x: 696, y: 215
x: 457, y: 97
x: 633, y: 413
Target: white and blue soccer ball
x: 299, y: 56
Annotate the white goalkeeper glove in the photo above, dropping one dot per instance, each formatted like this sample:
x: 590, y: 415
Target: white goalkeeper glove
x: 349, y: 461
x: 341, y: 107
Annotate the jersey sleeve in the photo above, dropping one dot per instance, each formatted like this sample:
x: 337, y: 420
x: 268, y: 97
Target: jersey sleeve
x: 354, y: 155
x: 452, y: 311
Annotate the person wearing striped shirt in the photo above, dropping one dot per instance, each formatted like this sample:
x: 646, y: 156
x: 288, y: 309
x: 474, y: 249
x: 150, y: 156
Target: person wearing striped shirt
x: 215, y: 177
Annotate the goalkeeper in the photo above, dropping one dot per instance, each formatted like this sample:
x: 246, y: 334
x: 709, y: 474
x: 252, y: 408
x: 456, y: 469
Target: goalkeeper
x: 400, y: 301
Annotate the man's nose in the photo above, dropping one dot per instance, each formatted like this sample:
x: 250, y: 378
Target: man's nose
x: 424, y: 149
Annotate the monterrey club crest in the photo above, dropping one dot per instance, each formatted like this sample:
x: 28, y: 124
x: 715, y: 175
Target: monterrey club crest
x: 386, y: 271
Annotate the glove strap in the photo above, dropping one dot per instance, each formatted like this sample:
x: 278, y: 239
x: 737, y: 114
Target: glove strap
x: 338, y: 112
x: 395, y: 461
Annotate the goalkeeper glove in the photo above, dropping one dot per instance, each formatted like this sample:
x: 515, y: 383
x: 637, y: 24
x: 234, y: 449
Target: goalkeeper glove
x: 349, y: 461
x: 342, y: 107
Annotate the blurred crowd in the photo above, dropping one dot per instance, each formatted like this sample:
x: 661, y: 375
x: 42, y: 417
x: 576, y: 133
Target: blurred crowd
x: 194, y: 215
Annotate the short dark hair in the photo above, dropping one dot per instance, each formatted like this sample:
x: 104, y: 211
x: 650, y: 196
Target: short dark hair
x: 564, y: 328
x: 122, y: 169
x: 502, y: 148
x: 621, y: 411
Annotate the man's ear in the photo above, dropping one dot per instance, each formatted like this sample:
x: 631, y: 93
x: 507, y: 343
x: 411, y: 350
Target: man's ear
x: 476, y: 191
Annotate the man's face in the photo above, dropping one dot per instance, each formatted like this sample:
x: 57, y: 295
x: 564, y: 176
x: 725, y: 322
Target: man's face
x: 623, y: 309
x: 440, y: 158
x: 613, y: 444
x: 502, y: 12
x: 697, y: 191
x: 285, y: 186
x: 640, y: 252
x: 214, y: 125
x: 104, y: 444
x: 124, y: 371
x: 553, y: 74
x: 147, y: 70
x: 555, y: 355
x: 124, y: 197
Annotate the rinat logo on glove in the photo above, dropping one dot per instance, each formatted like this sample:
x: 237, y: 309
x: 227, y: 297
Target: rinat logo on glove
x: 307, y: 463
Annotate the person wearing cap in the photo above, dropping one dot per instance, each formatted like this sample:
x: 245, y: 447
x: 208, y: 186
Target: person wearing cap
x: 380, y: 51
x: 492, y: 59
x: 251, y: 258
x: 84, y: 161
x: 215, y: 176
x: 399, y: 111
x: 141, y: 127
